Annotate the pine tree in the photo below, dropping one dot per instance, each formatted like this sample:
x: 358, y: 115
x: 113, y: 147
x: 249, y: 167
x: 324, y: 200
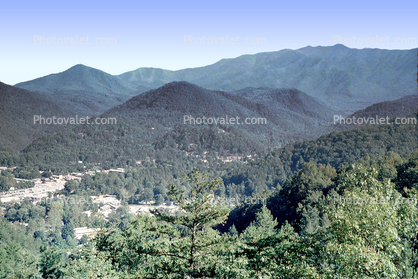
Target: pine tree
x: 201, y: 211
x: 263, y: 228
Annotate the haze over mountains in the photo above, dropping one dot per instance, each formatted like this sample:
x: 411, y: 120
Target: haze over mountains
x: 288, y: 100
x: 342, y: 78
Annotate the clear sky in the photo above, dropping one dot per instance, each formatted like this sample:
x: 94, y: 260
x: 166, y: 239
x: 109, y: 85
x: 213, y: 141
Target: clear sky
x: 160, y: 33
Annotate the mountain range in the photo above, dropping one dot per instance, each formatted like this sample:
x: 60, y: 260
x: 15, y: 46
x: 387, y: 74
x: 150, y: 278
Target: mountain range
x: 342, y: 78
x: 151, y: 105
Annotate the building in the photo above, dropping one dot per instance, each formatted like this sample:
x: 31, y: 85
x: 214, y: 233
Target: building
x: 79, y: 232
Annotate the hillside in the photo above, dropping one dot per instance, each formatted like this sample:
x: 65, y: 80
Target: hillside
x: 165, y: 109
x: 391, y: 109
x: 285, y: 122
x: 17, y: 110
x: 154, y: 121
x: 291, y: 100
x: 336, y: 148
x: 87, y: 90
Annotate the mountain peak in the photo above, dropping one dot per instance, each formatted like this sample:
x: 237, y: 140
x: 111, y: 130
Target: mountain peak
x: 90, y: 90
x: 180, y: 85
x: 80, y: 68
x: 339, y: 46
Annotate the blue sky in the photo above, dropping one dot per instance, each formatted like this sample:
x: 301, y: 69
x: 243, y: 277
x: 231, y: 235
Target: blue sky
x: 160, y: 33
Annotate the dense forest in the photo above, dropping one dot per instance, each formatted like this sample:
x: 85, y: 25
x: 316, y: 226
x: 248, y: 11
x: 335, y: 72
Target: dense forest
x: 356, y: 221
x: 183, y: 149
x: 298, y: 209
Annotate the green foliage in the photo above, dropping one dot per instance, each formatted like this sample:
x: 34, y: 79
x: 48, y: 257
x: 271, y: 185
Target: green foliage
x: 364, y: 223
x: 175, y: 245
x: 51, y: 262
x: 284, y: 202
x: 359, y: 221
x: 16, y: 262
x: 88, y: 263
x: 200, y: 213
x: 408, y: 174
x: 263, y: 228
x: 332, y: 149
x: 6, y: 181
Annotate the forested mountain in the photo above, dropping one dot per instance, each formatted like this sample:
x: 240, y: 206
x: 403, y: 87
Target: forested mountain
x: 391, y: 109
x: 155, y: 120
x: 86, y: 90
x: 287, y: 118
x: 17, y: 110
x: 153, y: 123
x: 288, y: 101
x: 343, y: 78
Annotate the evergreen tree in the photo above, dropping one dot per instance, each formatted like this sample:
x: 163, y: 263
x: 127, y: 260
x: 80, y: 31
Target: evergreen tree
x: 201, y: 212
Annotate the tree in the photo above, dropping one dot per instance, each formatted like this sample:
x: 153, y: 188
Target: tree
x: 46, y: 174
x: 364, y: 222
x: 88, y: 263
x: 51, y: 262
x: 148, y: 194
x: 55, y: 215
x: 68, y: 231
x: 201, y: 212
x: 180, y: 244
x: 159, y: 199
x: 16, y: 262
x: 262, y: 228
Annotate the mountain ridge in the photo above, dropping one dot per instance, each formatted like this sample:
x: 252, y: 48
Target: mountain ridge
x: 343, y: 78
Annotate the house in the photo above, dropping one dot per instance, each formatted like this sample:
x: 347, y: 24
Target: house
x: 79, y: 232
